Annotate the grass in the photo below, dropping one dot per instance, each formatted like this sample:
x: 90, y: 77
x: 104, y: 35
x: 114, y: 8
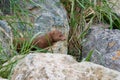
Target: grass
x: 81, y: 13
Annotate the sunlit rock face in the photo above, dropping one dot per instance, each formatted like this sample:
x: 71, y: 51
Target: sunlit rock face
x: 40, y: 66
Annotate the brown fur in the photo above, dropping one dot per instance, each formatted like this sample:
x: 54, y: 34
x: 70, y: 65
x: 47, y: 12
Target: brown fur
x: 41, y: 41
x: 48, y: 39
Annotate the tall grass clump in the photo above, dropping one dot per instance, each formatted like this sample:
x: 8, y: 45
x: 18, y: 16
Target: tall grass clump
x: 82, y: 14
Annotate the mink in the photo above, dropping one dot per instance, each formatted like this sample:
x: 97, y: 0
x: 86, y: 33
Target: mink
x: 48, y: 39
x: 41, y: 41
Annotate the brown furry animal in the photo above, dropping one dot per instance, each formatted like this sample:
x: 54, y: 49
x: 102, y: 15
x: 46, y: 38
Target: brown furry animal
x: 48, y: 39
x: 41, y: 41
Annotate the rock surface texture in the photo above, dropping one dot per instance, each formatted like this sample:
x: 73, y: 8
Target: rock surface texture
x: 40, y: 66
x: 106, y: 46
x: 5, y: 37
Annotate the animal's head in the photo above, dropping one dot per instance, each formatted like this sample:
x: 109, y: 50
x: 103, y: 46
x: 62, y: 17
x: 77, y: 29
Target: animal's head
x: 57, y: 36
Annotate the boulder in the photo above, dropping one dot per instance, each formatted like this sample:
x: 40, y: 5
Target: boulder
x: 106, y: 46
x: 40, y: 66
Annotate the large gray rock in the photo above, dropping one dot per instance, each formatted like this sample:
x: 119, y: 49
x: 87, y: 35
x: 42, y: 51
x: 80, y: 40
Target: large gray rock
x: 47, y: 14
x: 40, y: 66
x: 5, y: 38
x: 106, y: 46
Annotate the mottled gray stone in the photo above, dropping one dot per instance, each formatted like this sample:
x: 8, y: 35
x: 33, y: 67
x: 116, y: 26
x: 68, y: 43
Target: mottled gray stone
x: 40, y: 66
x: 5, y: 37
x: 48, y: 14
x: 51, y: 15
x: 106, y: 46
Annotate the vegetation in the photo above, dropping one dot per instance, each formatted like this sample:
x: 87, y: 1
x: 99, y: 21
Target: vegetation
x: 81, y: 14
